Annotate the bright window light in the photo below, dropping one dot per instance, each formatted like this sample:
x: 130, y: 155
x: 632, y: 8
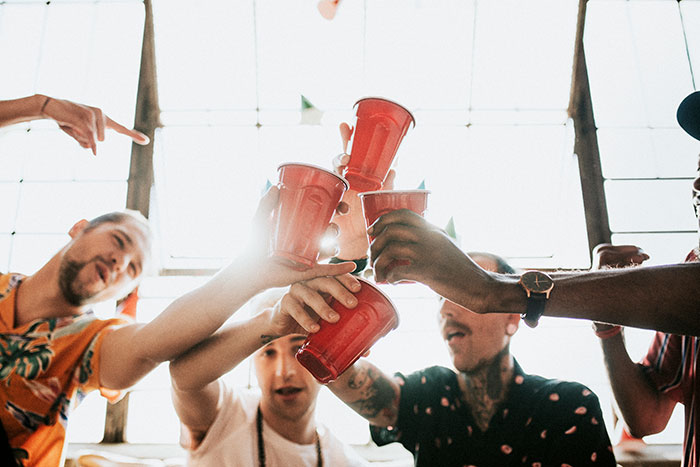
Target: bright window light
x: 488, y: 82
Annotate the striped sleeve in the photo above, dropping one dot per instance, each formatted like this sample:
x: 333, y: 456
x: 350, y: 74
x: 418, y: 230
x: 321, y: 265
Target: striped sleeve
x: 665, y: 362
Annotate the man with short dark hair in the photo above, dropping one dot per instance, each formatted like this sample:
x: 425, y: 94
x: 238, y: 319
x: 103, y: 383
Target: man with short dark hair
x: 488, y: 411
x: 274, y: 424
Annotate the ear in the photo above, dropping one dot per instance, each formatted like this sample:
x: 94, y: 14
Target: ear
x: 77, y: 228
x: 512, y: 324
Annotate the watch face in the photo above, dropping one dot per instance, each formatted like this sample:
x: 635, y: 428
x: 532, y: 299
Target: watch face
x: 537, y: 282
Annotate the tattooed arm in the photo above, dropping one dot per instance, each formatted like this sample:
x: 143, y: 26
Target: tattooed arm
x: 369, y: 392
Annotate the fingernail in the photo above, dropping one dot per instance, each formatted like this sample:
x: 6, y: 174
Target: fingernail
x: 334, y: 316
x: 314, y: 328
x: 356, y: 287
x: 352, y: 301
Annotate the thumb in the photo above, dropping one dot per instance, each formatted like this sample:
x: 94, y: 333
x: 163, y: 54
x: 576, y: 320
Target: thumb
x: 345, y: 135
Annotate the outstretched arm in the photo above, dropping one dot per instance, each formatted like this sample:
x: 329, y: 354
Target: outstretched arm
x: 83, y: 123
x: 195, y: 373
x: 664, y: 298
x: 369, y: 392
x: 132, y: 351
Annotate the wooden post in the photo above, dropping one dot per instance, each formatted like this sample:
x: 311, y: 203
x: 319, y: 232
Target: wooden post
x: 147, y: 119
x: 586, y: 145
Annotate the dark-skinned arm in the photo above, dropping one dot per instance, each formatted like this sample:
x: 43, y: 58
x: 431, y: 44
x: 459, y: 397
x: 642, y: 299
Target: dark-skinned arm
x: 664, y: 298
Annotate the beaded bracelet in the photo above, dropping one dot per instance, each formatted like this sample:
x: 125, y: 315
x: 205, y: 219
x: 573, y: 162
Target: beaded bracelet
x: 608, y: 333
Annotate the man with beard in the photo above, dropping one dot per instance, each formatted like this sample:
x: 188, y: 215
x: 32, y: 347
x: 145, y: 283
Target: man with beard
x: 52, y: 345
x: 272, y: 426
x: 487, y: 413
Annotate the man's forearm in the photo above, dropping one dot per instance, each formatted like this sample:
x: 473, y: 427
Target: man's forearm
x: 369, y: 392
x: 662, y: 298
x: 131, y: 352
x: 199, y: 313
x: 219, y: 353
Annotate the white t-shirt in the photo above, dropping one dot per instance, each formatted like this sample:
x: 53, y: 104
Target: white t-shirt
x: 231, y: 441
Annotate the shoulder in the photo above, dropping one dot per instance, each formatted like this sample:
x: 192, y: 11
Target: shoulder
x: 88, y: 326
x: 431, y: 376
x: 427, y: 389
x: 558, y: 399
x: 556, y: 389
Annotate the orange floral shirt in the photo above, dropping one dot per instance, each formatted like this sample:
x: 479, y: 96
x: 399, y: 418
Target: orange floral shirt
x: 44, y: 364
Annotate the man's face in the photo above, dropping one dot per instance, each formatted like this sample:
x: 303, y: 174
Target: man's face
x: 473, y: 340
x: 103, y: 263
x: 288, y: 390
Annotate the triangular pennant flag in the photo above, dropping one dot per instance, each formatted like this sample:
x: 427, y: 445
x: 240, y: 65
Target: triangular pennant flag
x: 422, y: 187
x: 310, y: 115
x: 305, y: 103
x: 450, y: 230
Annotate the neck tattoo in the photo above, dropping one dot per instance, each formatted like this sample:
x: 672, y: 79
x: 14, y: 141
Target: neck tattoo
x: 261, y: 442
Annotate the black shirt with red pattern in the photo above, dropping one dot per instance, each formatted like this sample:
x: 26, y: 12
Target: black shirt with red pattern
x: 543, y: 422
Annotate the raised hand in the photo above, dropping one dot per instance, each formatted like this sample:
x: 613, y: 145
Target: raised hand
x: 352, y: 239
x: 269, y: 271
x: 607, y: 255
x: 299, y: 310
x: 425, y: 252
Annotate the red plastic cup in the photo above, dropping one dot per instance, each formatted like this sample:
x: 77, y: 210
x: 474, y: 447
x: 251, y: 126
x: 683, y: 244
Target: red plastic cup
x: 309, y: 196
x: 336, y: 346
x: 377, y: 203
x: 379, y: 130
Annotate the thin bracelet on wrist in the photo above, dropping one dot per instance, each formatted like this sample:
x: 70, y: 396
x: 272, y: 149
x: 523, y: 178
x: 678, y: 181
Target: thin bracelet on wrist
x: 43, y: 106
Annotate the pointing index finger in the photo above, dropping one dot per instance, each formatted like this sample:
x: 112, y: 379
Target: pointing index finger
x: 135, y: 135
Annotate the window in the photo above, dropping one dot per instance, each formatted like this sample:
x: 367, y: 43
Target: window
x: 487, y: 81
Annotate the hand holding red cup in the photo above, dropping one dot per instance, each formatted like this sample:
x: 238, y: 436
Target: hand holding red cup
x: 308, y: 198
x: 377, y: 203
x: 329, y: 352
x: 381, y: 126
